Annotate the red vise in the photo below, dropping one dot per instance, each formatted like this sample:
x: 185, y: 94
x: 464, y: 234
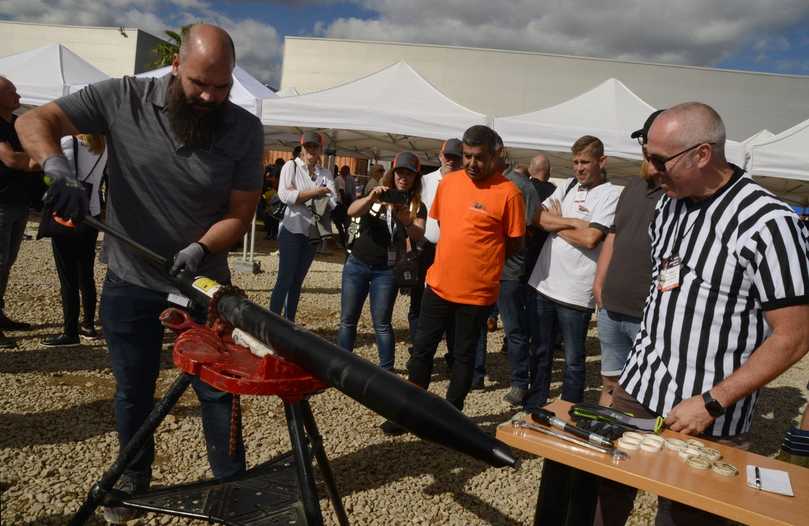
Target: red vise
x: 213, y: 356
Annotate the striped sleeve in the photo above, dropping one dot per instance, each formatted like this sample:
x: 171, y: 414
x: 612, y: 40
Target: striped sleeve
x: 777, y: 262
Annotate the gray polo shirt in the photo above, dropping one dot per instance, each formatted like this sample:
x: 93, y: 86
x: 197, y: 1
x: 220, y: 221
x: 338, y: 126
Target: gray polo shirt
x: 162, y: 193
x: 514, y: 267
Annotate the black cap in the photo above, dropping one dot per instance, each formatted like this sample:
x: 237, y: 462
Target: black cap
x: 452, y: 147
x: 311, y: 137
x: 407, y: 160
x: 644, y: 132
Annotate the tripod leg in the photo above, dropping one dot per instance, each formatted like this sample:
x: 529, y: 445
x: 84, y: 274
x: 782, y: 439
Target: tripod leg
x: 323, y: 463
x: 303, y: 462
x: 111, y: 476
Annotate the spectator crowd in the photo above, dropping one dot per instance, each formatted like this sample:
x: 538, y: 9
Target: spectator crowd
x: 697, y: 277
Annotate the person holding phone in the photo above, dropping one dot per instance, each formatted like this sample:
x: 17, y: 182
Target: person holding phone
x: 388, y: 216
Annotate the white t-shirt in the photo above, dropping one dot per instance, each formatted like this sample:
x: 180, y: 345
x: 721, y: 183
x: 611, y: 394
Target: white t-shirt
x: 564, y: 272
x: 429, y: 185
x: 294, y: 178
x: 91, y: 169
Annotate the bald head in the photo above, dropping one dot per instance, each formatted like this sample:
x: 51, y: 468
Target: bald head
x: 540, y: 168
x: 9, y: 99
x: 690, y: 123
x: 209, y: 42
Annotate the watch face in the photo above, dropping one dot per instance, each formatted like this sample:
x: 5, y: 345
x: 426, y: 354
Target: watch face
x: 715, y: 408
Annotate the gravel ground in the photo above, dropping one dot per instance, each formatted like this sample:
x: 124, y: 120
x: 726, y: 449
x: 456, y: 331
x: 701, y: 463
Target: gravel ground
x: 57, y: 426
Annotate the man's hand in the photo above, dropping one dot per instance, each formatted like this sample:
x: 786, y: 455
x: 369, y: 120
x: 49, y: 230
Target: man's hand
x: 188, y: 258
x: 689, y: 416
x: 66, y: 197
x: 554, y: 208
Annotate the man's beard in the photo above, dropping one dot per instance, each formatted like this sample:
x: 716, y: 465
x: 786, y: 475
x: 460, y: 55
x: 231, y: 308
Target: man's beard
x: 193, y: 127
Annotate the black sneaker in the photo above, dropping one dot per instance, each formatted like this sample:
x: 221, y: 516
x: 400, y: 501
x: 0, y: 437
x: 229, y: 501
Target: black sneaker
x: 6, y: 342
x: 61, y: 340
x: 392, y: 429
x: 128, y: 486
x: 88, y: 331
x: 7, y: 324
x: 515, y: 396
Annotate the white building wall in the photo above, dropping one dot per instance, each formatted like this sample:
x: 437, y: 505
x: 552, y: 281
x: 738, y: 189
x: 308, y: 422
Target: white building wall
x: 115, y: 51
x: 499, y: 83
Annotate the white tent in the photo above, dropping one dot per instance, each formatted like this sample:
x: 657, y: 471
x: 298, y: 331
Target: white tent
x: 47, y: 73
x: 609, y: 111
x: 392, y: 110
x: 781, y: 163
x: 246, y: 92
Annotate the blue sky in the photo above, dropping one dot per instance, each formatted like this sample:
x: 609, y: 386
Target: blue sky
x: 758, y: 35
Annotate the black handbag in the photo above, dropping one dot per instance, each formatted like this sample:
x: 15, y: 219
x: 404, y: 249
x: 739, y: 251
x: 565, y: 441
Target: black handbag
x: 406, y: 270
x: 277, y: 208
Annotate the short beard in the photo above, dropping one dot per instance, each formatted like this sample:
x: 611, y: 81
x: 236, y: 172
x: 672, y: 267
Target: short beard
x: 192, y: 127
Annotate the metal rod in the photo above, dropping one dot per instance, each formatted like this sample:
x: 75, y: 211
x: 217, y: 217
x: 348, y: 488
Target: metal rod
x: 561, y: 436
x: 123, y: 238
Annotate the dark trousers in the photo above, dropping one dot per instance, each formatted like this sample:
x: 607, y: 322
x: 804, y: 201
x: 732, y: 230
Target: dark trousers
x: 615, y: 500
x: 75, y: 259
x: 513, y: 306
x: 436, y: 314
x: 129, y: 317
x: 295, y: 256
x: 426, y: 260
x: 572, y: 323
x: 12, y: 228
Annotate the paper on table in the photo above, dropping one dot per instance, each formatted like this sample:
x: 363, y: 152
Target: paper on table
x: 772, y: 480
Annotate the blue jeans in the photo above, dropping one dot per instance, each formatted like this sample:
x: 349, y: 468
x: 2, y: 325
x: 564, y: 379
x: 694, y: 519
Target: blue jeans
x: 129, y: 317
x: 295, y: 256
x: 480, y: 351
x: 616, y: 332
x: 358, y: 280
x: 572, y: 323
x: 513, y: 311
x: 12, y: 229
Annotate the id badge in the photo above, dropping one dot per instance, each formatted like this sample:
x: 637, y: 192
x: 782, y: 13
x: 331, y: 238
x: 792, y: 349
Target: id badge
x: 669, y: 277
x: 580, y: 196
x: 391, y: 257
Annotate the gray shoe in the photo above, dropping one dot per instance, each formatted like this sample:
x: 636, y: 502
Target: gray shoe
x: 515, y: 396
x: 131, y: 486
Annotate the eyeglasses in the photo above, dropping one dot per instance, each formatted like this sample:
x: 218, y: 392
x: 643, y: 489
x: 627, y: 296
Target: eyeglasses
x: 659, y: 162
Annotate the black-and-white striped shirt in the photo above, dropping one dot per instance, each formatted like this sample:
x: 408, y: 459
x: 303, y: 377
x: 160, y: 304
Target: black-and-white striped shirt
x: 742, y: 252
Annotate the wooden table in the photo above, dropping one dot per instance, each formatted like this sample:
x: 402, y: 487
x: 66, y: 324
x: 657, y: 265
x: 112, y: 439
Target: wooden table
x: 664, y: 474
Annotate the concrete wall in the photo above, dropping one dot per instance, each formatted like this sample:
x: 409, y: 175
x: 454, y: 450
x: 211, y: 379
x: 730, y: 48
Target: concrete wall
x: 115, y: 51
x: 499, y: 83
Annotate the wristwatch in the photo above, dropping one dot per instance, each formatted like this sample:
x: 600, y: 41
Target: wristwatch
x: 712, y: 405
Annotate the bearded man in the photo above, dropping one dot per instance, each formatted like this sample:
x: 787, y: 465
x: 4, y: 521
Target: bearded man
x: 184, y: 178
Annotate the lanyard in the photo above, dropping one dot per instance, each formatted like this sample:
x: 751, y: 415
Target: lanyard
x: 675, y: 249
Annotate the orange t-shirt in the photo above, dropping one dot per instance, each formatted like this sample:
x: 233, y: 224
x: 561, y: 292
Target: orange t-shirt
x: 475, y: 219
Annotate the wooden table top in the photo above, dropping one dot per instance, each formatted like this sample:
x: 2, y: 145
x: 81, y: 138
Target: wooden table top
x: 666, y: 474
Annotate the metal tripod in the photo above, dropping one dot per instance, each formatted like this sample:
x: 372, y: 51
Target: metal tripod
x: 279, y: 492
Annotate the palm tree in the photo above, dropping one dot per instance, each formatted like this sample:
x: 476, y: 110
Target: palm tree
x: 165, y: 51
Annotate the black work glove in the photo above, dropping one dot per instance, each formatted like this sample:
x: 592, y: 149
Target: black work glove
x: 188, y: 258
x: 66, y: 197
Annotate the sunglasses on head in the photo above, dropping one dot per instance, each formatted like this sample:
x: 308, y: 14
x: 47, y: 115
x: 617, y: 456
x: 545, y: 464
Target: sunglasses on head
x: 659, y: 162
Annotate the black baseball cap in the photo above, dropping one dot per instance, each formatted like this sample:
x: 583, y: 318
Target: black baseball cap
x: 643, y: 133
x: 452, y: 147
x: 311, y: 137
x: 408, y: 161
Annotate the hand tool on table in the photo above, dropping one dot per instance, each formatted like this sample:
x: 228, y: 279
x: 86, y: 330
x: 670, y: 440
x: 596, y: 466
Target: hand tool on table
x: 543, y: 416
x: 616, y: 454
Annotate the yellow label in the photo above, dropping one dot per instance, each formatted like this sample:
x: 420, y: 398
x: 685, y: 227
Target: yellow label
x: 206, y: 285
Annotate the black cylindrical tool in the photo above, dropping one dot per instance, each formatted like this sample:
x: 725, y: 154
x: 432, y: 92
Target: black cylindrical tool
x: 543, y: 416
x: 417, y: 410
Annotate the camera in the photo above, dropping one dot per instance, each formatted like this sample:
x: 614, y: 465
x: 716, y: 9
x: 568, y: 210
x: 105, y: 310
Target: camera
x: 331, y: 151
x: 395, y: 197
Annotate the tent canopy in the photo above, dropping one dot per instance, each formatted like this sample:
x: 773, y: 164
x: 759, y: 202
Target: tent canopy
x: 47, y: 73
x: 246, y: 92
x: 389, y: 111
x: 781, y: 163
